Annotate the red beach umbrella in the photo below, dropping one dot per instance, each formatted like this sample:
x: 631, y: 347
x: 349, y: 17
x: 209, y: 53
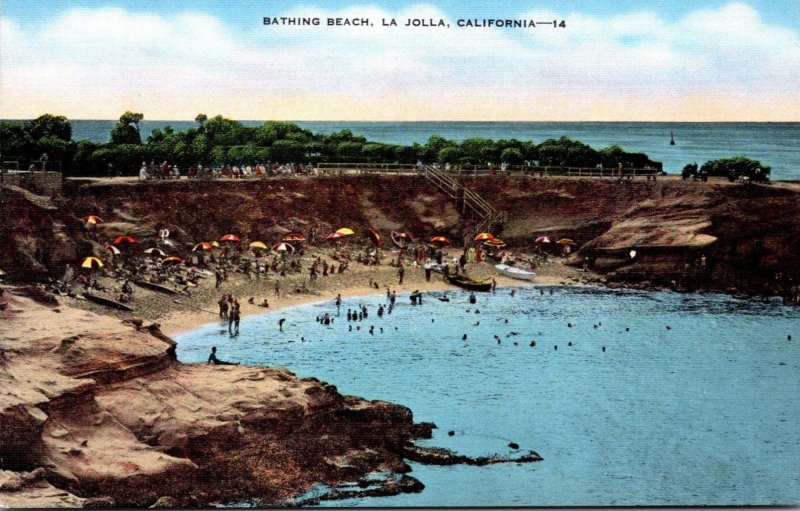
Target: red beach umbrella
x: 294, y: 236
x: 283, y: 247
x: 230, y: 237
x: 543, y: 239
x: 124, y: 240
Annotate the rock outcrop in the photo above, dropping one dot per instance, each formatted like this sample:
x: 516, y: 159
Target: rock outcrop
x: 100, y: 414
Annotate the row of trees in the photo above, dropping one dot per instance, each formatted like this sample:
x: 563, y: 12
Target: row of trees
x: 219, y: 140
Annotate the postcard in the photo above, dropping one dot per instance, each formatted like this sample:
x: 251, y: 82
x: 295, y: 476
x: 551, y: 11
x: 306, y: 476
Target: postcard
x: 399, y: 254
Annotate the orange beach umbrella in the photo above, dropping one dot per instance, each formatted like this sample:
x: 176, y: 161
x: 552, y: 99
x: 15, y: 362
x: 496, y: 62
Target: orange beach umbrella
x: 495, y: 242
x: 566, y: 241
x: 201, y: 246
x: 171, y: 260
x: 440, y: 240
x: 484, y: 236
x: 92, y: 219
x: 375, y: 236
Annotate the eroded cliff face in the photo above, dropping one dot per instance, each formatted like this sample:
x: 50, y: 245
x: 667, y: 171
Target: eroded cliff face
x: 98, y: 413
x: 691, y: 235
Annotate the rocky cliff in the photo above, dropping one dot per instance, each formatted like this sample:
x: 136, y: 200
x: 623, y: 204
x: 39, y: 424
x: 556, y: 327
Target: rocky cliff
x: 691, y: 235
x: 98, y: 413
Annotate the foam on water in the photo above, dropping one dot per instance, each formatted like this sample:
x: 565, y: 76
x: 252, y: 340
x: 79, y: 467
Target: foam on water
x: 702, y: 412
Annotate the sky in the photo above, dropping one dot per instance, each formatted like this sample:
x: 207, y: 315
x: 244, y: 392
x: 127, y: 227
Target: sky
x: 613, y: 61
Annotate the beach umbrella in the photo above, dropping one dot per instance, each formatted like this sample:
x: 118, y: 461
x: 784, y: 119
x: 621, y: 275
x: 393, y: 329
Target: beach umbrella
x: 334, y: 236
x: 201, y: 246
x: 283, y: 247
x: 294, y: 236
x: 484, y: 236
x: 171, y: 260
x: 114, y: 250
x: 566, y: 241
x: 91, y: 262
x: 124, y: 240
x: 2, y: 272
x: 402, y: 236
x: 375, y: 236
x: 230, y: 237
x: 215, y: 243
x: 345, y: 231
x: 441, y: 240
x: 155, y: 251
x: 495, y: 242
x: 92, y: 219
x: 258, y: 244
x: 543, y: 239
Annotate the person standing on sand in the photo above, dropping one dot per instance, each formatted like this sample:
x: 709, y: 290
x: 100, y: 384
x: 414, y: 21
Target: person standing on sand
x: 278, y: 288
x: 217, y: 278
x: 212, y: 359
x: 494, y: 285
x: 400, y: 273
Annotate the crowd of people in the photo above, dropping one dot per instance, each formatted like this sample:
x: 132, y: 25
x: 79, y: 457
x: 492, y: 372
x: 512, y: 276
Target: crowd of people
x: 165, y: 170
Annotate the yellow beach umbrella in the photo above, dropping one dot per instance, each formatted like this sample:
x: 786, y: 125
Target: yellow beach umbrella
x: 215, y: 243
x: 346, y: 231
x: 91, y: 263
x: 258, y: 244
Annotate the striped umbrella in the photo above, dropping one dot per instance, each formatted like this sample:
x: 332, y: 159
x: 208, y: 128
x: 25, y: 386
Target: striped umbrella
x: 484, y: 236
x: 335, y: 236
x: 155, y: 251
x: 543, y: 239
x: 230, y: 237
x: 201, y: 246
x: 91, y: 262
x: 294, y: 236
x: 283, y: 247
x: 495, y: 242
x: 114, y: 250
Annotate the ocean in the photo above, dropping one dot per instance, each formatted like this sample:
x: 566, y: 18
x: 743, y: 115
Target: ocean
x: 693, y: 401
x: 774, y: 144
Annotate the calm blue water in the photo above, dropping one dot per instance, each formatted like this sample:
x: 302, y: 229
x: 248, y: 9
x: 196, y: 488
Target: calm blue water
x: 774, y: 144
x: 702, y: 413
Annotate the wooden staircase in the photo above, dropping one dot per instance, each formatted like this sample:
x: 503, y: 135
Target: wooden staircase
x: 466, y: 198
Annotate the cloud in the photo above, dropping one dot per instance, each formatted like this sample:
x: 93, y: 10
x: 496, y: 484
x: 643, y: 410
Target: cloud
x: 99, y: 62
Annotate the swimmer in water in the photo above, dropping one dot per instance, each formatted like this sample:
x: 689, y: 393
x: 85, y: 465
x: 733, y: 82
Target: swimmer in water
x: 280, y: 324
x: 476, y: 324
x: 533, y: 344
x: 464, y: 338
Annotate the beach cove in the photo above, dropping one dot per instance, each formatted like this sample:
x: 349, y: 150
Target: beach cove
x: 86, y: 378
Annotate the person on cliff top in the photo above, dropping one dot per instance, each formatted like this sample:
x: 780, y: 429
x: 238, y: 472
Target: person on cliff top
x: 212, y: 359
